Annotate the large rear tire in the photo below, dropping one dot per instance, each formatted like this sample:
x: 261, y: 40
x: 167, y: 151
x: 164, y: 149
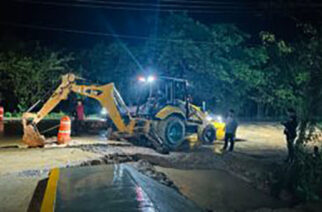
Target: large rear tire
x: 172, y: 130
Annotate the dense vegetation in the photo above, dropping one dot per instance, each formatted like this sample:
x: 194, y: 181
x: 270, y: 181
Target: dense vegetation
x: 259, y: 78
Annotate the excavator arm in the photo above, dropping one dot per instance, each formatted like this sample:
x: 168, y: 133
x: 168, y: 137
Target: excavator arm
x: 61, y: 93
x: 107, y: 95
x: 110, y: 99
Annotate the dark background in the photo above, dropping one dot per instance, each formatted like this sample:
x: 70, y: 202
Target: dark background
x: 23, y: 20
x: 77, y: 25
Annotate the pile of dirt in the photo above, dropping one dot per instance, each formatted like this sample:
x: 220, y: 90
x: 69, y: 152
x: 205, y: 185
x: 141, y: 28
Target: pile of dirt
x: 110, y: 159
x: 149, y: 170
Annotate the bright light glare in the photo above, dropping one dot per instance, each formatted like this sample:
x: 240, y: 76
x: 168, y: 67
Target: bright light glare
x: 212, y: 117
x: 104, y: 111
x: 209, y: 118
x: 151, y: 79
x: 142, y: 79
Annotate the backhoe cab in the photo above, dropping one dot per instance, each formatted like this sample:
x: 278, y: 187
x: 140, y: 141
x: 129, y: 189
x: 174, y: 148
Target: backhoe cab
x: 166, y: 101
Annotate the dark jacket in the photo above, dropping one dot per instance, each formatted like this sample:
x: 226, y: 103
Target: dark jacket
x: 231, y: 125
x: 290, y: 127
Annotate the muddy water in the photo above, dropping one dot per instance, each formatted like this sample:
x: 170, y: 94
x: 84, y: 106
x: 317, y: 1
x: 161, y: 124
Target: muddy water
x: 219, y: 191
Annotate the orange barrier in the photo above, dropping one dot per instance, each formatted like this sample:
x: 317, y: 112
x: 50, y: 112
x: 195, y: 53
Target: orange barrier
x: 63, y: 136
x: 1, y: 113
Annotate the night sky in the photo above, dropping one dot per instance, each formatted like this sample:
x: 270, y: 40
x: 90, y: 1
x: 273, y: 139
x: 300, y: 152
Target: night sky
x: 66, y: 22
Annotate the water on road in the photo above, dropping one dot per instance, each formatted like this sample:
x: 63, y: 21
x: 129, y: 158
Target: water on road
x: 219, y: 191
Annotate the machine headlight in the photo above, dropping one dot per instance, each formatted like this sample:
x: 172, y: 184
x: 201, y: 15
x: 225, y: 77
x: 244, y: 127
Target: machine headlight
x: 151, y: 79
x: 209, y: 118
x: 142, y: 79
x: 219, y: 119
x: 104, y: 112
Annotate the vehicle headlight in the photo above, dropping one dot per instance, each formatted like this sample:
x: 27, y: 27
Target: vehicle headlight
x: 220, y: 119
x: 212, y: 117
x: 104, y: 111
x: 209, y: 118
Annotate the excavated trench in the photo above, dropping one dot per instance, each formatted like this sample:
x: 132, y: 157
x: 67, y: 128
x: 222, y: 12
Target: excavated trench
x: 212, y: 190
x: 211, y: 187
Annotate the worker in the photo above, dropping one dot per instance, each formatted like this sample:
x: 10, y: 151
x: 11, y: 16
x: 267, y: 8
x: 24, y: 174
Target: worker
x: 79, y: 117
x: 290, y: 126
x: 161, y: 101
x: 230, y: 130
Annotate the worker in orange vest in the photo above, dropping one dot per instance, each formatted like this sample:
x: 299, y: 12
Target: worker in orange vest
x: 79, y: 117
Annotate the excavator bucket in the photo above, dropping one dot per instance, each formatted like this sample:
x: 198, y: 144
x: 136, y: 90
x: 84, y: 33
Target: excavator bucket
x: 32, y: 137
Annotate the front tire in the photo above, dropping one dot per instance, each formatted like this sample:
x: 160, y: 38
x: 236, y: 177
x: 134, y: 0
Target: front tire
x: 172, y: 131
x: 208, y: 134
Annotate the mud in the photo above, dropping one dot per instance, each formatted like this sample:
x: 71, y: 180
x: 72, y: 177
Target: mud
x: 218, y: 190
x: 149, y: 170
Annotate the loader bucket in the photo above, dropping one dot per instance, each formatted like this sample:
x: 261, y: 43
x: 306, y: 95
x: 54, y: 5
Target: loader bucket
x: 32, y: 137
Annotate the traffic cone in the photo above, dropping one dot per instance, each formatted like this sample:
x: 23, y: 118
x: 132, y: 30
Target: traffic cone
x: 63, y: 136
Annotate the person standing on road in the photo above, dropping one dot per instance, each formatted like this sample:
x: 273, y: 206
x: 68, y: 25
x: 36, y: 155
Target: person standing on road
x: 230, y: 130
x: 290, y: 126
x: 79, y: 117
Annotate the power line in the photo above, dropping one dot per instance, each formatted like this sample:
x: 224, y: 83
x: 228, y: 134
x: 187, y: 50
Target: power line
x: 199, y: 4
x: 203, y: 5
x: 242, y: 3
x: 191, y: 2
x: 193, y: 9
x: 103, y: 34
x: 131, y: 8
x: 162, y: 5
x: 234, y: 10
x: 206, y: 2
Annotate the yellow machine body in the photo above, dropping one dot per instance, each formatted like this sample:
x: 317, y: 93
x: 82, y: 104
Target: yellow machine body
x: 168, y: 111
x: 220, y: 129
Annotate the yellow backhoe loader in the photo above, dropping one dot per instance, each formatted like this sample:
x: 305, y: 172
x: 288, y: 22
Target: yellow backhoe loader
x: 164, y: 117
x: 167, y: 103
